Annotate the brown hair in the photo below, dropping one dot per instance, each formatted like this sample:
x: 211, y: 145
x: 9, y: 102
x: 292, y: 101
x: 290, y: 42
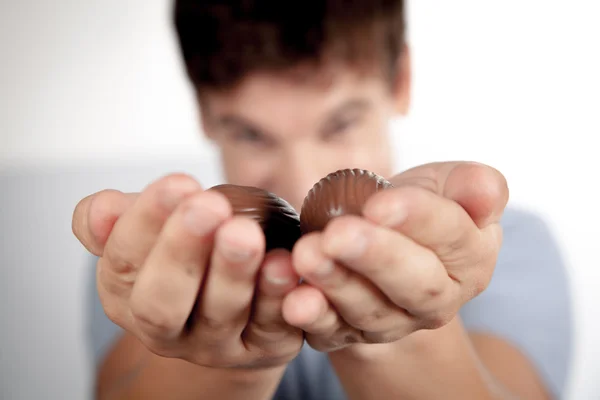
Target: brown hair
x: 223, y: 41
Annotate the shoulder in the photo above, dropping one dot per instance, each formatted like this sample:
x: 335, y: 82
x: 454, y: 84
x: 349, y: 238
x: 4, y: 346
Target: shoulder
x: 530, y: 259
x: 528, y: 301
x: 526, y: 230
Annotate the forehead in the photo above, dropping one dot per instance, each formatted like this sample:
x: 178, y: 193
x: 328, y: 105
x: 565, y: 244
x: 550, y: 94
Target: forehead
x: 305, y: 94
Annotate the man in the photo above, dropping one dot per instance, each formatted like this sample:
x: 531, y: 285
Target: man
x: 391, y: 305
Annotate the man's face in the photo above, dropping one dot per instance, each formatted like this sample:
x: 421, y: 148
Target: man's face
x: 284, y: 134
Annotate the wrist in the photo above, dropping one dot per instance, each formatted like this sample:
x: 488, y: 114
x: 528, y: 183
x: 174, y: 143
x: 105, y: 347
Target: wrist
x: 248, y: 377
x: 409, y: 367
x: 423, y: 344
x: 418, y: 344
x: 176, y: 378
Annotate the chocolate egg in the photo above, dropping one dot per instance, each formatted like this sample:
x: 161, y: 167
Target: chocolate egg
x: 277, y: 218
x: 342, y: 192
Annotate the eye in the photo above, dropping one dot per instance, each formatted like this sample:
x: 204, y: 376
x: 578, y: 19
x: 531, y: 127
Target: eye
x: 339, y: 127
x: 248, y: 135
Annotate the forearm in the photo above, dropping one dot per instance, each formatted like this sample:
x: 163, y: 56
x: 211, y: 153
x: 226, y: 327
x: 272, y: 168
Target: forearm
x: 139, y: 374
x: 426, y: 365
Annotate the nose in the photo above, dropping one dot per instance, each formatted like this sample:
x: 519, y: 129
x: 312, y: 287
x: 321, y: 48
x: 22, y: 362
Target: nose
x: 298, y: 171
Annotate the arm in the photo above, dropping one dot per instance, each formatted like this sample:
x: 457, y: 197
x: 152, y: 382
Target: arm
x: 442, y: 363
x: 154, y: 252
x: 130, y: 371
x: 520, y: 333
x: 420, y: 253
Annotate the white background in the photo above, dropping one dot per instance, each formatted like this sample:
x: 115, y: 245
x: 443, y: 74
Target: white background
x: 88, y: 86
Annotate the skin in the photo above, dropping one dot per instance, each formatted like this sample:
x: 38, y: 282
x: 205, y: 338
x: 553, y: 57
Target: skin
x: 380, y: 293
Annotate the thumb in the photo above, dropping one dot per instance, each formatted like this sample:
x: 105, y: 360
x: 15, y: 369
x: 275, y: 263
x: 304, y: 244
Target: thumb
x: 95, y: 216
x: 480, y: 189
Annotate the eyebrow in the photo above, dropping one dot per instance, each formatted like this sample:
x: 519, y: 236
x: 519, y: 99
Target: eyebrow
x: 238, y: 121
x: 351, y: 106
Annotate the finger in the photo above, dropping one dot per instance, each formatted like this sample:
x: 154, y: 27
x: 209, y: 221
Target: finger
x: 136, y: 231
x: 358, y: 301
x: 411, y: 276
x: 267, y: 329
x: 430, y: 220
x: 226, y: 298
x: 307, y: 308
x: 481, y: 190
x: 166, y: 287
x: 304, y: 306
x: 95, y: 216
x: 114, y: 294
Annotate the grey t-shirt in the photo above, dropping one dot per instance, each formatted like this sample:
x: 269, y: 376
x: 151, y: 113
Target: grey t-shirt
x: 527, y: 304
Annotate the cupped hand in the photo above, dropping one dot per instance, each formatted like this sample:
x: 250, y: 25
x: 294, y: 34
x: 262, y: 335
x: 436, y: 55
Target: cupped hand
x: 187, y: 278
x: 419, y: 253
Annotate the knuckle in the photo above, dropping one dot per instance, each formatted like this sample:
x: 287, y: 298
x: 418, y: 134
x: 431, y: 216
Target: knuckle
x: 381, y: 337
x: 154, y: 320
x: 114, y: 254
x: 339, y: 340
x: 371, y: 320
x: 268, y: 333
x: 113, y: 312
x: 458, y: 247
x: 421, y: 296
x: 340, y: 226
x: 427, y: 179
x: 339, y: 278
x: 480, y: 285
x: 434, y: 291
x: 215, y: 327
x: 114, y: 280
x: 167, y: 194
x: 414, y: 194
x: 177, y: 180
x: 437, y: 320
x: 161, y: 348
x: 483, y: 272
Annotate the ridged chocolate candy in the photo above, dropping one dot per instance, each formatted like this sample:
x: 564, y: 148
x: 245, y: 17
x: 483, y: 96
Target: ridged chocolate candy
x: 340, y: 193
x: 277, y: 218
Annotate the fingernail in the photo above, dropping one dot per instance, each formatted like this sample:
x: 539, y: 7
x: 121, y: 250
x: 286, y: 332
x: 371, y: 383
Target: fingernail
x: 276, y: 277
x: 200, y: 221
x: 389, y: 214
x: 347, y: 247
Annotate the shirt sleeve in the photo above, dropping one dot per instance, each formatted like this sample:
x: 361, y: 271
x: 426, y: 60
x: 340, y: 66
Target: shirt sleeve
x: 528, y: 302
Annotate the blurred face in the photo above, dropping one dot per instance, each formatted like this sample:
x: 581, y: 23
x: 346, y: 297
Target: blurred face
x: 284, y: 133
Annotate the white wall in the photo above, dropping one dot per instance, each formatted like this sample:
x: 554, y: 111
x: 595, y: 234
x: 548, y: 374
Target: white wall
x: 94, y: 80
x: 514, y: 84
